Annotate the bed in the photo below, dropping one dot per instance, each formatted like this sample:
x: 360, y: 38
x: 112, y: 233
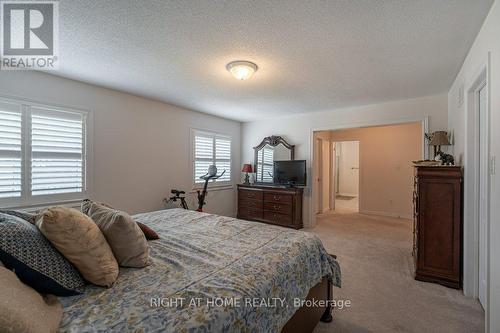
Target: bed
x: 211, y: 273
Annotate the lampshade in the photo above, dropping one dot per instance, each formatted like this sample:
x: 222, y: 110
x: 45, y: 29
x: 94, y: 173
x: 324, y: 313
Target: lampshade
x: 247, y: 168
x: 242, y: 70
x: 439, y: 138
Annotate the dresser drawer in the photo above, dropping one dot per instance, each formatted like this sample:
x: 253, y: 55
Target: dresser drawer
x: 278, y: 218
x: 249, y: 203
x: 249, y: 213
x: 278, y: 207
x: 276, y: 197
x: 252, y: 195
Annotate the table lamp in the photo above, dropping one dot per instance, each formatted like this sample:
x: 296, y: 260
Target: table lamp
x: 247, y: 168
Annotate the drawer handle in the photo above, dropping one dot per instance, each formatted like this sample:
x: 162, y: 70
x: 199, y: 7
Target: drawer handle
x: 277, y: 207
x: 277, y: 197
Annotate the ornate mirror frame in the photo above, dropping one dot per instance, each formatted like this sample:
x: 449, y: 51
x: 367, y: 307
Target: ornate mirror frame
x: 273, y: 140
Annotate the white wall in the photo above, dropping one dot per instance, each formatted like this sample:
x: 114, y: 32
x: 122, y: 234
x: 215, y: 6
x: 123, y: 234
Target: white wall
x: 141, y: 147
x: 297, y: 128
x: 487, y: 41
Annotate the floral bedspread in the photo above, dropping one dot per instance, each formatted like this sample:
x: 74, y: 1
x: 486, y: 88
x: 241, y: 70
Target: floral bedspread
x: 209, y: 273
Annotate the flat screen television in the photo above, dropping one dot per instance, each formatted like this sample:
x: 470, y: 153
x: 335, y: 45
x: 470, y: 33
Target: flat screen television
x: 290, y: 173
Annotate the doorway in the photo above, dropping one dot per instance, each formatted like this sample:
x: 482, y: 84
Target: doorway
x: 346, y: 176
x: 384, y: 170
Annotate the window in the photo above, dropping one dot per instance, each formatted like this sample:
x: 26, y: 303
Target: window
x: 42, y: 153
x: 211, y: 149
x: 265, y: 164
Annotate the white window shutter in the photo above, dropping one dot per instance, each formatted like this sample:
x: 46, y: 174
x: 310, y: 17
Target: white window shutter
x: 223, y: 158
x: 10, y: 150
x: 211, y: 149
x: 57, y: 152
x: 204, y: 153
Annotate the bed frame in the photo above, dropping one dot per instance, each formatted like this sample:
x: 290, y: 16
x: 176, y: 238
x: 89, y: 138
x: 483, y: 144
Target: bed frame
x: 306, y: 318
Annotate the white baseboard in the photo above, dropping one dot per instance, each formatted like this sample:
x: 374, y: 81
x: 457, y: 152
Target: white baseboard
x: 389, y: 214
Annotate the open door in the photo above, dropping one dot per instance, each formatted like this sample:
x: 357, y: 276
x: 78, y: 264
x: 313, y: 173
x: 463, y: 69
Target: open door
x: 346, y: 174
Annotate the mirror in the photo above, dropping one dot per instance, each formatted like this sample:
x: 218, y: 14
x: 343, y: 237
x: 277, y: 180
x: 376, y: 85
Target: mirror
x: 273, y: 148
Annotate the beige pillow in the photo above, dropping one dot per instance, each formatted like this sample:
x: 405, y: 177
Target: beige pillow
x: 124, y: 236
x: 79, y: 239
x: 23, y: 310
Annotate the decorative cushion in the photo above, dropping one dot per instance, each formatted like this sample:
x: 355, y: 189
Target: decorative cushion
x: 26, y: 251
x: 148, y: 232
x: 23, y: 310
x: 79, y: 239
x: 124, y: 236
x: 20, y: 213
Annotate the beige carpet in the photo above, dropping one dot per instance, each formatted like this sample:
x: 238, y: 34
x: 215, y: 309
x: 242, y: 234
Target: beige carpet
x: 375, y: 257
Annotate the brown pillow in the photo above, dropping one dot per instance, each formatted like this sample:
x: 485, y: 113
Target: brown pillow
x: 124, y: 236
x: 23, y: 310
x: 78, y: 238
x: 148, y: 232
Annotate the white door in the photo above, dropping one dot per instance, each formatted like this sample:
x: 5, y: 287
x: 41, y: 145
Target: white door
x: 483, y: 192
x: 349, y: 168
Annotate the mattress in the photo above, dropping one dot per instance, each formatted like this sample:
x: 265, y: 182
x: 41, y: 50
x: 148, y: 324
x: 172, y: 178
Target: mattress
x: 208, y: 273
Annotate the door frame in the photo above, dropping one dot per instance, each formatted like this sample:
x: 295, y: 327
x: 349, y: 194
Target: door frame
x: 316, y: 179
x: 333, y: 166
x: 472, y: 186
x: 424, y: 120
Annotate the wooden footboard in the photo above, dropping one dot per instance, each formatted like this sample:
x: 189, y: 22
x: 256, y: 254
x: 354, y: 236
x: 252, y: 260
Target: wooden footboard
x: 306, y: 318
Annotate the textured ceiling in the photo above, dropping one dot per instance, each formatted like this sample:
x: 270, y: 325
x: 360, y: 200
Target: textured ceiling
x: 312, y: 55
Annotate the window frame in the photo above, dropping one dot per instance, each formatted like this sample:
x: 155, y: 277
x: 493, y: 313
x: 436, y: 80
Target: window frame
x: 27, y: 200
x: 214, y: 135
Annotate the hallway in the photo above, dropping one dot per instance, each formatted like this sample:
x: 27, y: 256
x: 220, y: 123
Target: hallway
x: 377, y: 276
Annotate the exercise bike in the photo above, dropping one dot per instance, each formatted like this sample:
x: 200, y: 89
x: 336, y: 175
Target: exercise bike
x: 178, y: 194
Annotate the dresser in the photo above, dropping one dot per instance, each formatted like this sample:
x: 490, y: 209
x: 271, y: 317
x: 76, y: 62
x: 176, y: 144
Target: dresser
x: 437, y: 226
x: 271, y: 204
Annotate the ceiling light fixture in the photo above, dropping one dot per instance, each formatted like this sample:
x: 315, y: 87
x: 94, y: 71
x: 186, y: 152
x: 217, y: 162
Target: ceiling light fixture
x: 242, y: 70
